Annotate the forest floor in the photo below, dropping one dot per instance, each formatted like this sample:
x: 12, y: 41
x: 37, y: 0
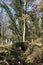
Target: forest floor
x: 11, y: 56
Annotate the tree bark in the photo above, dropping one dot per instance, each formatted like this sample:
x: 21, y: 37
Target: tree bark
x: 24, y: 21
x: 24, y: 32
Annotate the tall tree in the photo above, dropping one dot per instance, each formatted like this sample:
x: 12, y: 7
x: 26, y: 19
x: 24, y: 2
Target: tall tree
x: 22, y: 14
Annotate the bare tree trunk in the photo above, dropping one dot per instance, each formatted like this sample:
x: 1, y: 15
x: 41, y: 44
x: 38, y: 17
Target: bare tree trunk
x: 24, y: 32
x: 24, y: 22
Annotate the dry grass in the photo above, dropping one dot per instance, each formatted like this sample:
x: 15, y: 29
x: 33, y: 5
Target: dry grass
x: 5, y: 47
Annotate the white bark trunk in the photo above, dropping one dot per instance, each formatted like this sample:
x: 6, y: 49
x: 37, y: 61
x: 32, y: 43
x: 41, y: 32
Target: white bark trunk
x: 24, y: 32
x: 24, y: 22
